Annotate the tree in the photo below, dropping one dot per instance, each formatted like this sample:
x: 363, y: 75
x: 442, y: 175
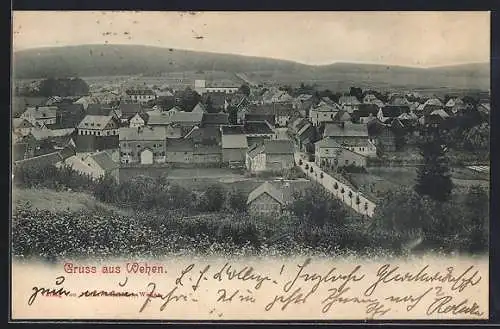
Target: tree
x: 237, y: 201
x: 433, y: 177
x: 189, y: 99
x: 356, y: 92
x: 232, y: 115
x: 315, y: 207
x: 244, y: 89
x: 215, y: 197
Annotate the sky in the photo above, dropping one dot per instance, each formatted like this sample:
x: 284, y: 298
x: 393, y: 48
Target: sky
x: 420, y: 39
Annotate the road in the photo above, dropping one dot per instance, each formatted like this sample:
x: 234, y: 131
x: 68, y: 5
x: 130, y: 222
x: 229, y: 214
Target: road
x: 365, y: 206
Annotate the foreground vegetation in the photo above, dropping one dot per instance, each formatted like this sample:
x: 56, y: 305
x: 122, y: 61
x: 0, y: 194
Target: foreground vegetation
x: 165, y: 218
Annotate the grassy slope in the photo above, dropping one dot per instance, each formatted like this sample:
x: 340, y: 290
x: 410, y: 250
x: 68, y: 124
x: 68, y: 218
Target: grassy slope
x: 45, y: 199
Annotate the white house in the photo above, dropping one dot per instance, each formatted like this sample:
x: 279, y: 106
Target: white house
x: 43, y: 115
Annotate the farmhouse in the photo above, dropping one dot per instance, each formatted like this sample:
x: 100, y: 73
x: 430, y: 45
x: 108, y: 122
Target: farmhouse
x: 143, y: 145
x: 96, y: 165
x: 329, y: 152
x: 44, y: 115
x: 323, y: 113
x: 266, y: 200
x: 351, y: 136
x: 272, y: 155
x: 234, y: 144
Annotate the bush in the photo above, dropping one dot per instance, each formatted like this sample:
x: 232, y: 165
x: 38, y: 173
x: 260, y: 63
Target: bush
x: 237, y: 201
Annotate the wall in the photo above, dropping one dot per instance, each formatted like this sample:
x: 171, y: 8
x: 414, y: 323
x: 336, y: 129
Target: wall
x: 179, y: 156
x: 130, y: 150
x: 341, y: 155
x: 264, y: 204
x: 233, y: 155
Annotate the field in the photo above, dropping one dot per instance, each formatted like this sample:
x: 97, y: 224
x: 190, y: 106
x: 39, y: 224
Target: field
x: 379, y: 180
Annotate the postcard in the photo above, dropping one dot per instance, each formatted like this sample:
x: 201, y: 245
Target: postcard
x: 250, y: 166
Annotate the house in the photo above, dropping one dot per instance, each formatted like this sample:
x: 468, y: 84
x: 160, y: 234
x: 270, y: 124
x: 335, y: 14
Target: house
x: 199, y: 108
x: 98, y: 125
x: 266, y: 200
x: 69, y: 115
x: 349, y: 103
x: 371, y: 99
x: 305, y: 136
x: 214, y: 119
x: 179, y: 151
x: 352, y: 136
x: 397, y: 100
x: 272, y: 155
x: 434, y: 102
x: 322, y: 113
x: 341, y: 116
x: 382, y: 135
x: 303, y: 103
x: 20, y: 104
x: 95, y: 165
x: 141, y: 96
x: 234, y: 144
x: 43, y: 115
x: 258, y: 131
x: 391, y: 111
x: 183, y: 121
x: 269, y: 118
x: 276, y: 96
x: 127, y: 111
x: 329, y: 152
x: 138, y: 120
x: 97, y: 132
x: 365, y: 113
x: 227, y: 87
x: 144, y: 145
x: 44, y: 141
x: 45, y: 160
x: 22, y: 127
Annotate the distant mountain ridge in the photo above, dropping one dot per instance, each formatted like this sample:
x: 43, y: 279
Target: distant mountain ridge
x: 101, y: 60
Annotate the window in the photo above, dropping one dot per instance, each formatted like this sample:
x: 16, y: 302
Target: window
x: 107, y: 133
x: 346, y: 162
x: 138, y: 146
x: 98, y: 125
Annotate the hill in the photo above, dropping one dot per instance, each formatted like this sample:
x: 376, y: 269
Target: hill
x: 113, y: 60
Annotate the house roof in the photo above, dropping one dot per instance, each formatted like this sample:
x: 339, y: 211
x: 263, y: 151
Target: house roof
x: 205, y: 135
x: 327, y: 142
x: 258, y: 127
x: 62, y: 132
x: 325, y: 108
x: 454, y: 101
x: 350, y: 100
x: 364, y: 110
x: 95, y: 121
x: 268, y: 189
x: 180, y: 145
x: 271, y: 118
x: 408, y: 116
x: 278, y: 146
x: 233, y: 129
x: 139, y: 92
x: 199, y: 108
x: 234, y: 141
x: 303, y: 97
x: 41, y: 134
x: 347, y: 129
x: 215, y: 119
x: 341, y: 116
x: 70, y: 108
x: 103, y: 159
x: 304, y: 128
x: 42, y: 112
x: 433, y: 101
x: 393, y: 111
x: 21, y: 123
x: 98, y: 109
x: 143, y: 134
x: 129, y: 109
x: 41, y: 161
x: 187, y: 117
x: 399, y: 100
x: 442, y: 113
x: 207, y: 149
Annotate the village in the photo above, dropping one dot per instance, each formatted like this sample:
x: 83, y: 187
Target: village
x: 267, y: 139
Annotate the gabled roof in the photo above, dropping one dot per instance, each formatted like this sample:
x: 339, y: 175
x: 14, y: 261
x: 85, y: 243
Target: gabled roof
x: 205, y: 135
x: 347, y: 129
x: 143, y: 134
x: 21, y: 123
x: 454, y: 101
x: 433, y: 101
x: 268, y: 189
x: 325, y: 108
x: 215, y: 119
x: 327, y: 142
x: 199, y: 108
x: 104, y: 161
x: 349, y: 100
x: 393, y: 111
x: 442, y: 113
x: 72, y: 108
x: 303, y: 97
x: 98, y: 109
x: 258, y: 127
x: 341, y: 116
x: 271, y: 118
x: 95, y: 121
x: 408, y: 116
x: 234, y: 141
x: 42, y: 112
x: 41, y: 161
x: 364, y: 110
x: 140, y: 92
x: 128, y: 110
x: 233, y: 129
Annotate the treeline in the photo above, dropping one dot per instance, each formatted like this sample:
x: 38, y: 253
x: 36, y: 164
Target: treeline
x: 62, y: 87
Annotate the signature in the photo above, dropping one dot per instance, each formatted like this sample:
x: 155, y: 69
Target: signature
x: 49, y: 291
